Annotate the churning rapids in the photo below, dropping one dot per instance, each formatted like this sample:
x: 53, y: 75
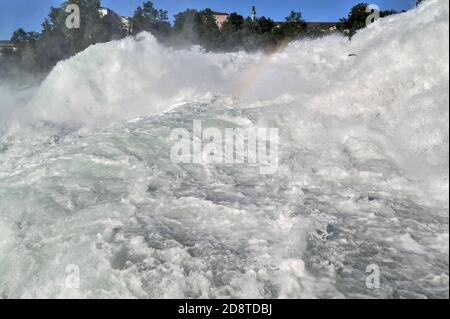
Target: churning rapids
x: 86, y: 178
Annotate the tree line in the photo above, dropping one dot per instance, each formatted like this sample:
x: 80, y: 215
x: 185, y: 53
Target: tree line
x: 40, y: 51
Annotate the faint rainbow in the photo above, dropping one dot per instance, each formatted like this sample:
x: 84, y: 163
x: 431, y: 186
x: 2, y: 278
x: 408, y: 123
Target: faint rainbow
x: 256, y: 71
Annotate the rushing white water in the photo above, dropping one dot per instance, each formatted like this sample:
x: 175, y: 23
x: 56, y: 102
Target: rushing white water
x: 86, y: 178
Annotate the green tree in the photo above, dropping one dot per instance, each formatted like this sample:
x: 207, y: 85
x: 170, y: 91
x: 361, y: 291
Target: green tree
x: 24, y: 48
x: 20, y: 37
x: 357, y: 17
x: 92, y: 30
x: 264, y: 25
x: 294, y: 27
x: 148, y: 18
x: 295, y: 17
x: 208, y: 30
x: 71, y: 41
x: 58, y: 42
x: 261, y: 34
x: 196, y: 27
x: 185, y: 27
x: 234, y: 23
x: 231, y: 33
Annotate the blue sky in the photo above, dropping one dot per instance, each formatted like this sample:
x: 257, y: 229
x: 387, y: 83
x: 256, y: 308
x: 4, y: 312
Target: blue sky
x: 29, y: 14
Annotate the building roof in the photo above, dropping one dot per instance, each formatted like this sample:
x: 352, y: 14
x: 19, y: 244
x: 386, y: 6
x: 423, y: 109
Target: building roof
x: 284, y: 22
x: 312, y: 24
x: 216, y: 13
x: 6, y: 43
x: 322, y: 24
